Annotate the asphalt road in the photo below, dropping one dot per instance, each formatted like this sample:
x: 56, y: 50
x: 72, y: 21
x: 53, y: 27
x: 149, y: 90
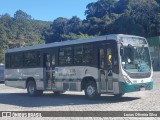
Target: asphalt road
x: 13, y: 99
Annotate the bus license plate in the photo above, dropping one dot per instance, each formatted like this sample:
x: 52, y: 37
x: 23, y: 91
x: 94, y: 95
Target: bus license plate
x: 142, y: 89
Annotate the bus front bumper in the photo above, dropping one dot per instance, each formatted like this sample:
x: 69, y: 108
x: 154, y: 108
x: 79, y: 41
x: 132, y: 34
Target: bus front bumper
x: 125, y: 88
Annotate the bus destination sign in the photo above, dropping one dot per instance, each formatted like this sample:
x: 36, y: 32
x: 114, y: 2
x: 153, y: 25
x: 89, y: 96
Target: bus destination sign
x: 132, y: 40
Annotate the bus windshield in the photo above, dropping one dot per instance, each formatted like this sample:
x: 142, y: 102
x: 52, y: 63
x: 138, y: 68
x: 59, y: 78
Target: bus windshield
x: 136, y: 59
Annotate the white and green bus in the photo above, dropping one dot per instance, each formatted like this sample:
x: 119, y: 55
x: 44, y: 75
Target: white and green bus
x: 111, y: 64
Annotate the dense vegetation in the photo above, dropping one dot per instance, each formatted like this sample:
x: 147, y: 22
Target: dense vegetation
x: 20, y: 30
x: 136, y: 17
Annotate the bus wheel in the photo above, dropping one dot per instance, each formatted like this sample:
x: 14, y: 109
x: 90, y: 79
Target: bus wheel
x: 91, y: 90
x: 31, y: 89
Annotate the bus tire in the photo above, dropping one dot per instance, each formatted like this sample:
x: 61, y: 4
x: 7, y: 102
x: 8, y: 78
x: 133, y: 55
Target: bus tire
x: 91, y: 90
x: 31, y: 89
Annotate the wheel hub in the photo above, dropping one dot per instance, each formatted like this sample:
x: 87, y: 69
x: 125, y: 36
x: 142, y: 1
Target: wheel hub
x: 90, y: 90
x: 31, y: 88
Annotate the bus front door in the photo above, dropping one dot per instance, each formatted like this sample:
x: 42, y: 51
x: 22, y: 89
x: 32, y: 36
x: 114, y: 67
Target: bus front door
x: 106, y: 76
x: 49, y: 72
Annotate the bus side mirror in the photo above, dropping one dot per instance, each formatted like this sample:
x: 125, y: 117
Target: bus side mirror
x: 121, y: 51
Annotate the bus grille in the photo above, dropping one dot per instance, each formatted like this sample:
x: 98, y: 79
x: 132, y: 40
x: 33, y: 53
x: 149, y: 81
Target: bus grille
x: 140, y: 75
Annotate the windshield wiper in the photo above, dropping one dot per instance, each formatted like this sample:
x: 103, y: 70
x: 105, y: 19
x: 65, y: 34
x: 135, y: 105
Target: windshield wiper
x: 140, y: 52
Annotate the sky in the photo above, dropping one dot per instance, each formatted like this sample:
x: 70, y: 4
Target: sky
x: 46, y: 10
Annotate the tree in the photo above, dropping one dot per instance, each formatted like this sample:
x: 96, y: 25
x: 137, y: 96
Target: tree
x: 100, y: 8
x: 6, y: 20
x: 72, y: 36
x: 121, y: 6
x: 94, y: 26
x: 3, y: 42
x: 74, y: 25
x: 123, y: 16
x: 155, y: 28
x: 144, y: 12
x: 20, y: 15
x: 158, y: 1
x: 125, y: 25
x: 58, y: 29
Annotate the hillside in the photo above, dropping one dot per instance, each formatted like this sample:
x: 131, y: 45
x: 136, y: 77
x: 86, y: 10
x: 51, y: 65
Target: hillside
x: 20, y: 30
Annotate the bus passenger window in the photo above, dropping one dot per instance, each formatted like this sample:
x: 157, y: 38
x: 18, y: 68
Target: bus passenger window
x: 31, y: 59
x: 68, y: 60
x: 53, y: 60
x: 83, y: 54
x: 87, y: 54
x: 102, y: 58
x: 8, y: 61
x: 78, y: 54
x: 65, y: 55
x: 47, y: 61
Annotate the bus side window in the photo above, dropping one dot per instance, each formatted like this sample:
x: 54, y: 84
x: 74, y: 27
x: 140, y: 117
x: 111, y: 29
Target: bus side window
x: 115, y: 61
x: 18, y: 60
x: 31, y: 59
x: 102, y: 58
x: 78, y: 55
x: 87, y: 54
x: 53, y: 60
x: 65, y: 56
x: 8, y: 61
x: 83, y: 54
x: 47, y: 61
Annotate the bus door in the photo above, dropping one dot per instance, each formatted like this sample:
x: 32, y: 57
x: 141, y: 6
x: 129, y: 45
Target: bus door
x: 49, y: 72
x: 106, y: 76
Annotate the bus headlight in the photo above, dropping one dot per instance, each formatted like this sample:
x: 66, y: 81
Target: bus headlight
x: 127, y: 80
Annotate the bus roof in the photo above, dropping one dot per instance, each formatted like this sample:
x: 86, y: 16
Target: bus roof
x: 69, y: 42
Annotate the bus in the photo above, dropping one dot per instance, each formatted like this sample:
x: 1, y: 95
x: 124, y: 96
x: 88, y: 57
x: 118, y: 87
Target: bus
x: 111, y: 64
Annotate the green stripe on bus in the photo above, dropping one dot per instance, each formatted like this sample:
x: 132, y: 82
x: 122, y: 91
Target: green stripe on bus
x: 15, y: 79
x: 124, y: 87
x: 18, y: 79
